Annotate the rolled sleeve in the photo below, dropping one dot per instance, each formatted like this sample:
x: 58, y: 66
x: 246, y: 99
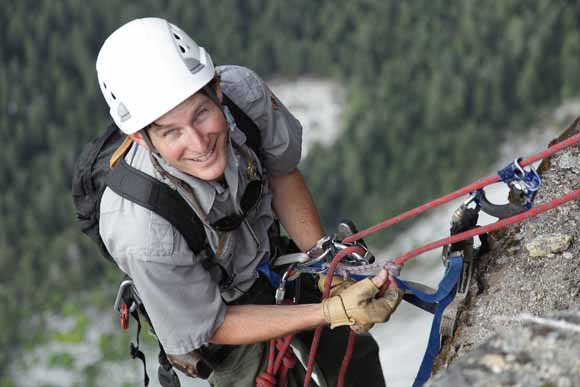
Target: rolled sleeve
x: 281, y: 132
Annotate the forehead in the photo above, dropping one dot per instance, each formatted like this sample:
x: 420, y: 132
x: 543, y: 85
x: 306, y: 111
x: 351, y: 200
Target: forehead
x: 183, y: 108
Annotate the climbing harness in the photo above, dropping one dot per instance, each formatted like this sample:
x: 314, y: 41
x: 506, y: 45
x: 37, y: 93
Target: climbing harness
x: 349, y: 260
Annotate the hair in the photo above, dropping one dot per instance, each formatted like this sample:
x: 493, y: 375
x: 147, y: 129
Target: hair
x: 212, y: 84
x: 209, y: 90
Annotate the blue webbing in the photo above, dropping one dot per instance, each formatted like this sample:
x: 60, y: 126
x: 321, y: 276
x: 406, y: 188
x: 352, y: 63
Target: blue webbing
x: 441, y: 298
x: 273, y: 277
x: 436, y: 302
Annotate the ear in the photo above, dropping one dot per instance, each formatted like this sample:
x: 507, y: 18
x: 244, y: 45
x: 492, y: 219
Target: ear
x: 138, y: 138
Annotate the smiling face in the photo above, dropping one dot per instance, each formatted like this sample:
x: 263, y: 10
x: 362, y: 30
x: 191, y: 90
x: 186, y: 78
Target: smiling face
x: 192, y: 137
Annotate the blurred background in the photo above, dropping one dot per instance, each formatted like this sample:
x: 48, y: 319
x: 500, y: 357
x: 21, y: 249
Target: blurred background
x: 401, y: 102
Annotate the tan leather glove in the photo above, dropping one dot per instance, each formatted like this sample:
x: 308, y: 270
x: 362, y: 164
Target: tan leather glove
x: 357, y: 305
x: 336, y: 287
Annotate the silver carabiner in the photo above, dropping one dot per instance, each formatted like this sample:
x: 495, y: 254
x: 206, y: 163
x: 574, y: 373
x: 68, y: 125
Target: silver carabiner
x: 472, y: 198
x: 532, y: 183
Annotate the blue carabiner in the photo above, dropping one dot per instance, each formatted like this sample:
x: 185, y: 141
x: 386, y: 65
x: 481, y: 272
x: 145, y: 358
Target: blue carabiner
x: 515, y: 172
x: 526, y: 180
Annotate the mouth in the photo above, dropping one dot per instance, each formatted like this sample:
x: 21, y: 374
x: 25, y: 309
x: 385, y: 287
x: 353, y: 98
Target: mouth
x: 207, y: 156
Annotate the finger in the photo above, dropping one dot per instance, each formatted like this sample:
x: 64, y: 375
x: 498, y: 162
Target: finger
x: 383, y: 309
x: 380, y: 278
x: 392, y: 282
x: 393, y: 297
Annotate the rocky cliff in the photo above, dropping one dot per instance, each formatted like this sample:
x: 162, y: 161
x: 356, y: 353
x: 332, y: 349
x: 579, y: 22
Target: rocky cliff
x: 520, y: 324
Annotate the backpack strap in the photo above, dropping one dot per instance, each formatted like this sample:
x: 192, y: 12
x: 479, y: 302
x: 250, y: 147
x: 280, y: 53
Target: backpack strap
x: 136, y: 186
x: 246, y: 125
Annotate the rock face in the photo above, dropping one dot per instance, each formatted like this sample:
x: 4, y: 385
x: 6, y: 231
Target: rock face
x: 542, y: 352
x: 547, y: 245
x: 520, y: 325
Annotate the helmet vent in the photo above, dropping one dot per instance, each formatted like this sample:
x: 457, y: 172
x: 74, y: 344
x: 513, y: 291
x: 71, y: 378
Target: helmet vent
x: 104, y: 85
x: 177, y: 36
x: 182, y: 48
x: 113, y: 95
x: 193, y: 65
x: 123, y: 112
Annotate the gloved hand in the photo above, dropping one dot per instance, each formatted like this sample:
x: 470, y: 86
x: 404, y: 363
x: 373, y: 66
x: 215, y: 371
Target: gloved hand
x: 338, y: 285
x: 356, y: 305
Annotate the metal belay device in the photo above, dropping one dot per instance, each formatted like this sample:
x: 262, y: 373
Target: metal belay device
x: 523, y: 184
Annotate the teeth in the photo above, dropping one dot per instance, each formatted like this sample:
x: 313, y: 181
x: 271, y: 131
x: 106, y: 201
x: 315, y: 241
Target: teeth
x: 207, y: 156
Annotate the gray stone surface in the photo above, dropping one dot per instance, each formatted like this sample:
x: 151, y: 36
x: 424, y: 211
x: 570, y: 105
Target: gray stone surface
x: 542, y: 352
x: 520, y: 325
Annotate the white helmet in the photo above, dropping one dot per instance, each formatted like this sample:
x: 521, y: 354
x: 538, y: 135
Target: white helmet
x: 146, y: 68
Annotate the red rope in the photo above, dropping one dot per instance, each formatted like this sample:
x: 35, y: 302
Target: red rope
x: 282, y: 345
x: 278, y: 364
x: 271, y: 356
x: 455, y: 238
x: 347, y: 358
x: 461, y: 192
x: 490, y: 227
x: 269, y: 379
x: 318, y: 331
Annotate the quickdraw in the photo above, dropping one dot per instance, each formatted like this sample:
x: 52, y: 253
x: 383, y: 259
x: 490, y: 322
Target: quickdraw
x: 524, y: 185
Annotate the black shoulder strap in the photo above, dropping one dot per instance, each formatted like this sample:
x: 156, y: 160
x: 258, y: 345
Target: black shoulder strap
x: 145, y: 190
x: 246, y: 125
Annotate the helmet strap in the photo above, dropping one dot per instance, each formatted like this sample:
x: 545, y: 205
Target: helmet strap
x: 149, y: 143
x: 151, y: 150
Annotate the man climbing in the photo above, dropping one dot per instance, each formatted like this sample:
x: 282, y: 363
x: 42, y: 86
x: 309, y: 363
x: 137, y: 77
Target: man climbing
x: 166, y: 96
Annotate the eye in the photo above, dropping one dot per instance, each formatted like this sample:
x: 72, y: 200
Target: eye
x: 169, y: 132
x: 201, y: 114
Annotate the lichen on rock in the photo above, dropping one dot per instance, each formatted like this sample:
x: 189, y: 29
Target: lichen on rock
x: 547, y: 245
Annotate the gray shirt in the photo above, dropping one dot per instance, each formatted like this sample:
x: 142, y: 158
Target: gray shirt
x: 182, y: 298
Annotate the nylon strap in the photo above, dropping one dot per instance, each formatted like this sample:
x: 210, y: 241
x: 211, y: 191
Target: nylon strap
x: 145, y: 190
x: 120, y: 152
x: 247, y: 125
x: 135, y: 352
x: 440, y: 299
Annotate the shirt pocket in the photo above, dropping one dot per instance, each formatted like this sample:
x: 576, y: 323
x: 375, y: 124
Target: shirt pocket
x: 161, y: 237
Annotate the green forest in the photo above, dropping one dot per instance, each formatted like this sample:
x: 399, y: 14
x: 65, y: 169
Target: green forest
x: 432, y: 88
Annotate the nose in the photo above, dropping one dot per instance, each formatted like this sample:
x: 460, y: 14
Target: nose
x: 197, y: 141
